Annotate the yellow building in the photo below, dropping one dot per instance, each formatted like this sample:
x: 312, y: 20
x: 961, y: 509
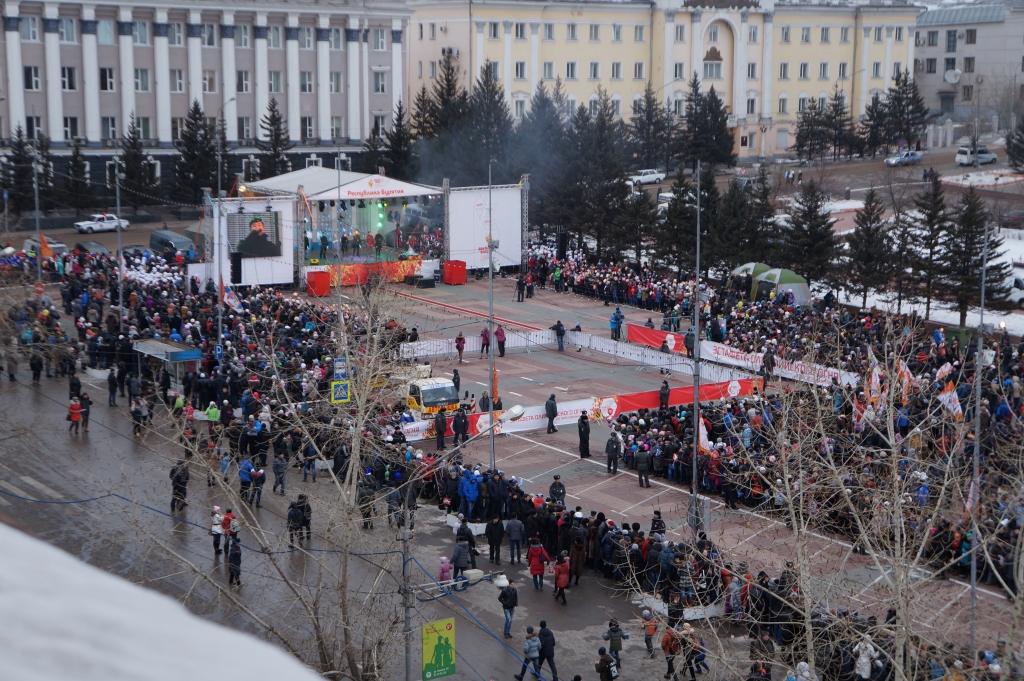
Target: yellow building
x: 765, y: 59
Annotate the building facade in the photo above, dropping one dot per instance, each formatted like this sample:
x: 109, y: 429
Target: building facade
x: 969, y: 60
x: 766, y: 59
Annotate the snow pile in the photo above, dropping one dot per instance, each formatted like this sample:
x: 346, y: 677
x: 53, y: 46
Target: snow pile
x: 987, y: 178
x: 64, y: 619
x: 843, y: 206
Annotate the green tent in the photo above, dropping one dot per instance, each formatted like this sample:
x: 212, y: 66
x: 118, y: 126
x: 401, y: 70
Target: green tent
x: 751, y: 269
x: 783, y: 281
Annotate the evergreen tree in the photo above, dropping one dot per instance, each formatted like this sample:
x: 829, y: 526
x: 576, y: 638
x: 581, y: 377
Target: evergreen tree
x: 710, y: 208
x: 734, y: 229
x: 929, y: 227
x: 19, y: 178
x: 1015, y: 147
x: 538, y: 142
x: 812, y: 138
x: 837, y: 120
x: 648, y: 131
x: 762, y: 227
x: 635, y: 224
x: 139, y: 186
x: 487, y: 133
x: 719, y: 139
x: 47, y: 186
x: 77, y: 191
x: 964, y: 257
x: 374, y: 153
x: 810, y: 244
x: 227, y: 178
x: 603, y: 191
x: 903, y: 258
x: 196, y: 166
x: 868, y: 262
x: 676, y: 234
x: 420, y: 118
x: 692, y: 135
x: 906, y: 109
x: 274, y: 159
x: 873, y: 128
x: 442, y: 140
x: 400, y: 151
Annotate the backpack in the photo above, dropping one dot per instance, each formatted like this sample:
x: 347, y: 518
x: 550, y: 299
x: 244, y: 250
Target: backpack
x: 613, y: 670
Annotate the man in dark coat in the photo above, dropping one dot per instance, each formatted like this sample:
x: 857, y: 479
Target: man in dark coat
x: 642, y: 459
x: 612, y: 450
x: 584, y: 428
x: 460, y: 426
x: 557, y: 490
x: 179, y: 485
x: 551, y: 410
x: 663, y: 395
x: 235, y: 563
x: 440, y: 426
x: 547, y: 648
x: 495, y: 533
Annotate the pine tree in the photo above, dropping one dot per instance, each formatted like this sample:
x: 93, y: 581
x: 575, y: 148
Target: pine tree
x: 19, y: 179
x: 762, y: 226
x: 400, y: 148
x: 811, y: 139
x: 903, y: 258
x: 444, y: 118
x: 227, y: 178
x: 906, y: 109
x: 420, y: 118
x: 374, y: 154
x: 196, y: 166
x: 692, y: 135
x: 139, y: 186
x: 837, y: 122
x: 676, y: 240
x: 648, y: 131
x: 487, y: 133
x: 603, y: 189
x: 710, y: 207
x: 874, y: 125
x: 1015, y: 147
x: 538, y: 142
x: 719, y: 139
x: 635, y: 224
x: 77, y: 191
x: 867, y: 264
x: 44, y: 159
x: 810, y: 244
x: 274, y: 160
x: 733, y: 230
x: 964, y: 257
x: 929, y: 226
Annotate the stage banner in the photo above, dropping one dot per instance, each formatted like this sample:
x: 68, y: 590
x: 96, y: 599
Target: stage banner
x: 534, y: 418
x: 357, y: 274
x: 614, y: 405
x: 720, y: 353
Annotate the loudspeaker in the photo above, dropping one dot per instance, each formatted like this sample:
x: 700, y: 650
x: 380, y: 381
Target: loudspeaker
x: 563, y: 245
x: 236, y: 268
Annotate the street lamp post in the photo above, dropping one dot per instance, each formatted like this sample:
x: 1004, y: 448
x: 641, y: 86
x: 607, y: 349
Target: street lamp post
x: 490, y: 307
x: 975, y: 465
x: 216, y: 229
x: 694, y: 499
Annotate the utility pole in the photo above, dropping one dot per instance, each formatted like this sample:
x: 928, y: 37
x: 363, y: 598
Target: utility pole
x: 39, y: 227
x: 975, y: 471
x: 120, y: 253
x: 406, y: 591
x: 490, y: 309
x: 694, y: 499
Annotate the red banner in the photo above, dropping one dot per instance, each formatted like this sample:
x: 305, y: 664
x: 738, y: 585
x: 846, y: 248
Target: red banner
x: 357, y: 274
x: 617, y: 404
x: 653, y: 337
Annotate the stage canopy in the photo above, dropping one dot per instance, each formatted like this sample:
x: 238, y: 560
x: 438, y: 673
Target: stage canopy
x: 372, y: 187
x: 313, y: 180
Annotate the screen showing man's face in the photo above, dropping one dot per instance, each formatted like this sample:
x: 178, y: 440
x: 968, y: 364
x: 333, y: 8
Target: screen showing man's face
x: 255, y: 235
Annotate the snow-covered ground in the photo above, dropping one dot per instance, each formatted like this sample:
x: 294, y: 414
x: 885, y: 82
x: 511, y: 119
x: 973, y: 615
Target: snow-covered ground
x: 986, y: 178
x: 843, y: 206
x: 63, y: 619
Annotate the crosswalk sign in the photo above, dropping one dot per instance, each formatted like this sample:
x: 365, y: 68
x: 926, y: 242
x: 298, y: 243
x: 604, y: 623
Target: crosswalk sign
x: 341, y: 391
x: 340, y: 369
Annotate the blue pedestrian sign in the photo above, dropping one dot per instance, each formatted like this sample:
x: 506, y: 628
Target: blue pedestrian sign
x: 341, y: 391
x: 218, y: 351
x: 6, y: 196
x: 340, y: 369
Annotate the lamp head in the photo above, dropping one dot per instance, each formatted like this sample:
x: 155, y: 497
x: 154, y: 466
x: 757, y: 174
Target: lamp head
x: 513, y: 414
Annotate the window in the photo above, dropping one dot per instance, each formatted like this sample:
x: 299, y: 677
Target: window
x: 680, y: 71
x: 751, y: 71
x: 433, y: 69
x: 549, y: 31
x: 177, y: 80
x: 970, y: 36
x: 712, y: 70
x: 105, y: 31
x: 823, y: 71
x: 899, y: 34
x: 805, y: 34
x: 274, y: 37
x: 826, y: 34
x: 31, y: 77
x: 751, y: 106
x: 616, y: 33
x: 784, y: 34
x: 140, y: 32
x: 142, y: 80
x: 30, y: 29
x: 950, y: 63
x: 208, y: 35
x: 930, y: 65
x: 713, y: 33
x: 106, y: 79
x: 878, y: 34
x: 876, y: 69
x: 433, y: 31
x: 594, y: 72
x: 783, y: 105
x: 244, y: 128
x: 492, y: 30
x: 822, y: 102
x: 639, y: 71
x: 520, y: 31
x: 108, y: 127
x: 520, y: 70
x: 336, y: 38
x: 306, y: 82
x: 549, y: 70
x: 306, y: 37
x: 570, y: 31
x: 933, y: 38
x: 844, y: 70
x: 968, y: 64
x: 70, y: 127
x: 616, y: 108
x: 570, y: 105
x: 897, y: 68
x: 595, y: 32
x: 801, y: 104
x: 241, y: 36
x: 175, y: 34
x: 638, y: 34
x: 306, y: 127
x: 844, y: 34
x: 570, y: 70
x: 951, y: 41
x: 679, y: 107
x: 335, y: 80
x: 617, y: 70
x: 145, y: 131
x: 784, y: 71
x: 68, y: 80
x: 380, y: 83
x: 274, y: 81
x: 33, y: 127
x: 594, y: 106
x: 335, y: 126
x: 242, y: 82
x: 751, y: 34
x: 520, y: 108
x: 380, y: 125
x: 680, y: 33
x: 805, y: 70
x: 967, y: 93
x: 209, y: 81
x: 380, y: 41
x: 66, y: 30
x: 177, y: 125
x: 492, y: 69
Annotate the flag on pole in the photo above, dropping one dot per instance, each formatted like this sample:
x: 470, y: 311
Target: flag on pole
x: 945, y: 370
x: 229, y: 298
x: 906, y: 379
x: 494, y: 387
x: 44, y: 248
x: 949, y: 399
x: 704, y: 445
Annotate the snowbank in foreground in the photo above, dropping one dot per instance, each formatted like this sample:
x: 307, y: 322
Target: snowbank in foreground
x: 66, y: 620
x: 985, y: 178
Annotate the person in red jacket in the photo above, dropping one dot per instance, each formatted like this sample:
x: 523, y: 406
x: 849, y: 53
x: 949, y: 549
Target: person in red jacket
x: 561, y: 577
x: 537, y: 558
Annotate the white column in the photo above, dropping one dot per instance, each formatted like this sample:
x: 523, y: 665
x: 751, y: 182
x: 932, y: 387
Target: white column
x: 126, y: 79
x: 227, y: 67
x: 193, y: 29
x: 162, y: 78
x: 291, y: 36
x: 910, y: 49
x: 262, y: 75
x: 480, y: 58
x: 364, y: 72
x: 54, y: 94
x: 506, y: 56
x: 767, y: 73
x: 865, y: 63
x: 353, y: 123
x: 397, y: 78
x: 323, y: 78
x: 739, y: 79
x: 670, y: 54
x: 534, y: 57
x: 696, y: 45
x: 90, y: 75
x: 887, y: 76
x: 15, y: 84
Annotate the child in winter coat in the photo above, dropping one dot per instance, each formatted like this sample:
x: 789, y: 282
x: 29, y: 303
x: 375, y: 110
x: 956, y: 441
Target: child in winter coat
x: 531, y: 653
x: 444, y: 572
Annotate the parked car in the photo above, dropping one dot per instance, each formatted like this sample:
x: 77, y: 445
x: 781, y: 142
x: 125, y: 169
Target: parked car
x: 904, y: 158
x: 1012, y: 220
x: 1017, y: 288
x: 94, y: 247
x: 164, y: 239
x: 100, y: 222
x: 647, y: 177
x: 56, y: 245
x: 965, y: 156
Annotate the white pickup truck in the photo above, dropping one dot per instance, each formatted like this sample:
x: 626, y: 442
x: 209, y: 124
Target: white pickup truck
x: 100, y: 222
x: 647, y: 177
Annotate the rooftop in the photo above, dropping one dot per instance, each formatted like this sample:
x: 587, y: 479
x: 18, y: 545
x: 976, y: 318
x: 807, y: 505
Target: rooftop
x: 963, y: 14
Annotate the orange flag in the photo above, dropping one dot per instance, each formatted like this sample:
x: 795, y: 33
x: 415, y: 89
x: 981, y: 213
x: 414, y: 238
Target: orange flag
x: 494, y: 387
x: 44, y: 248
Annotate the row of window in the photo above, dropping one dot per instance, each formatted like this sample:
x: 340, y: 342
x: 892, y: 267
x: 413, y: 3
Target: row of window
x: 931, y: 64
x: 970, y: 38
x: 824, y: 73
x: 825, y: 35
